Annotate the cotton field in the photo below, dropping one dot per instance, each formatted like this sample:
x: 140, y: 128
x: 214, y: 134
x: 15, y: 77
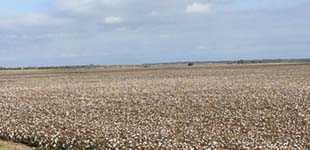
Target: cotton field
x: 265, y: 106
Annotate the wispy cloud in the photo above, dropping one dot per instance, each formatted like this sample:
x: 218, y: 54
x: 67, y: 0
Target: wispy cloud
x: 113, y: 20
x: 198, y: 8
x: 31, y: 20
x: 86, y: 6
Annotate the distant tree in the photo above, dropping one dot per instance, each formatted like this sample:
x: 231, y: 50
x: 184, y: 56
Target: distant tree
x: 145, y: 66
x: 254, y: 61
x: 190, y: 64
x: 241, y: 62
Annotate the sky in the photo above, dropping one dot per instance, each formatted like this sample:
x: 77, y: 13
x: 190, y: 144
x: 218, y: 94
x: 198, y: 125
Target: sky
x: 106, y: 32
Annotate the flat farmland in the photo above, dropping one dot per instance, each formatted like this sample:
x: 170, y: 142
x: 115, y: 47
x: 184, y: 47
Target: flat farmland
x: 263, y: 106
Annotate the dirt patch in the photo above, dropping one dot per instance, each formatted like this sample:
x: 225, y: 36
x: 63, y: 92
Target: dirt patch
x: 12, y: 146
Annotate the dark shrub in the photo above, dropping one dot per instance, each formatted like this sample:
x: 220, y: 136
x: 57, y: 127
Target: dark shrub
x: 190, y: 64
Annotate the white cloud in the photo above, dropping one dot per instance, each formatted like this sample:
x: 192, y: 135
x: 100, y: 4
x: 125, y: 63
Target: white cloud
x: 113, y: 20
x: 198, y: 8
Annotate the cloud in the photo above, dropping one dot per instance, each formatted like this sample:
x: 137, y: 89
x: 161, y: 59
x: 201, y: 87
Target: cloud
x: 138, y: 28
x: 164, y: 35
x: 201, y: 47
x: 31, y: 20
x: 154, y: 13
x: 198, y: 8
x: 86, y: 6
x: 113, y: 20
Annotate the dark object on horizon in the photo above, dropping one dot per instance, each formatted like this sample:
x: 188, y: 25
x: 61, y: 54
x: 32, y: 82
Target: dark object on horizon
x: 190, y: 64
x: 241, y: 62
x: 145, y: 66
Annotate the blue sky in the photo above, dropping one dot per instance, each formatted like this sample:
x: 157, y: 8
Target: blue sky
x: 74, y: 32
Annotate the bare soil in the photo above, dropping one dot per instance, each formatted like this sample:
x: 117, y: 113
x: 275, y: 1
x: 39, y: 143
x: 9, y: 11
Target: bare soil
x: 12, y: 146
